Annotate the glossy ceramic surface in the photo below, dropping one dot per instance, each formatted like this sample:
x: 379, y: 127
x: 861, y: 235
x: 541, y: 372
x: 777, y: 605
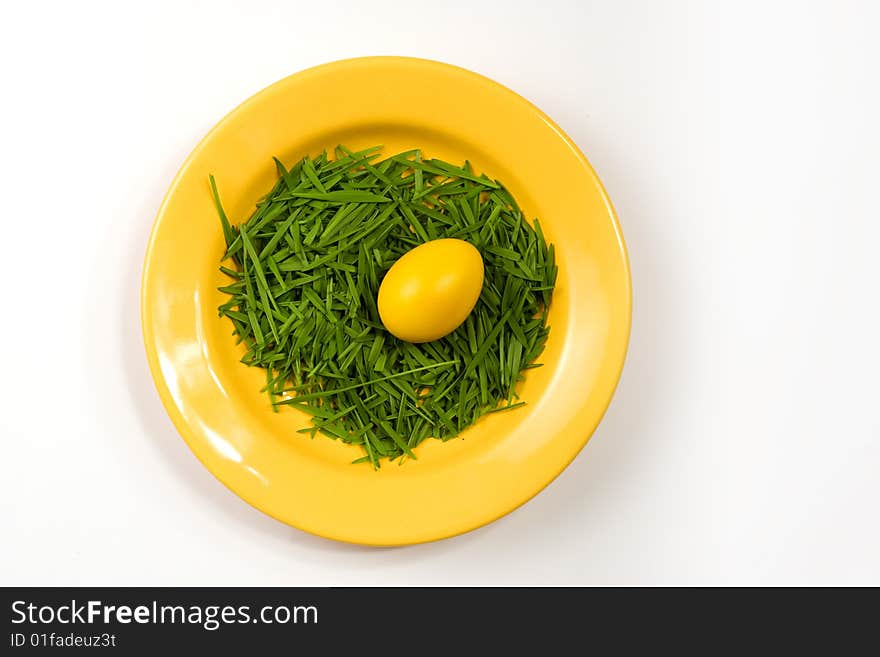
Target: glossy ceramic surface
x: 453, y: 487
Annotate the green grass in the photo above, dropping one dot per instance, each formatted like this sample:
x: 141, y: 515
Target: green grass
x: 305, y: 271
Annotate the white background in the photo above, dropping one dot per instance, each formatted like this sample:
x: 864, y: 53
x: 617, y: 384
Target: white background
x: 740, y: 144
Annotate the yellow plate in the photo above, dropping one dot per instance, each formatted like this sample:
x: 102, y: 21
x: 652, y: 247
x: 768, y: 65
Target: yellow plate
x: 453, y: 487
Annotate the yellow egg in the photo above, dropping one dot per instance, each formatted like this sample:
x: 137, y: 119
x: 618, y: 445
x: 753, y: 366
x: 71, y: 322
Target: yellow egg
x: 431, y: 290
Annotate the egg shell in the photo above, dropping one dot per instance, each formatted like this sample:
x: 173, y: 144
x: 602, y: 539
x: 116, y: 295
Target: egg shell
x: 431, y: 290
